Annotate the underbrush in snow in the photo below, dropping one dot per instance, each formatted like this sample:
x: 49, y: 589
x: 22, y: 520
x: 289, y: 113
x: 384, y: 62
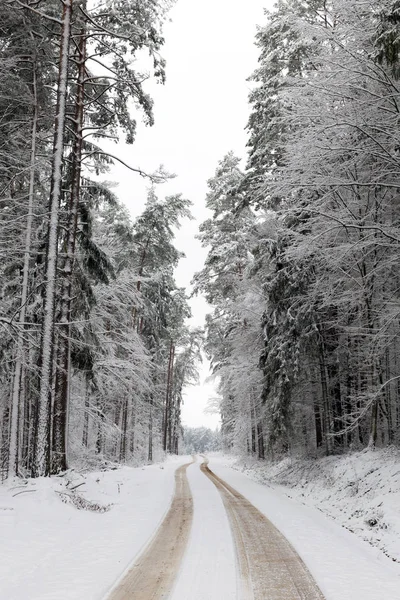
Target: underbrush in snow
x: 82, y: 503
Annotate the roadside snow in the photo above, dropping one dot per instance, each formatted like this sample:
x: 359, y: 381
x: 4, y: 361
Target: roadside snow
x: 361, y: 491
x: 345, y: 567
x: 53, y: 551
x: 50, y: 550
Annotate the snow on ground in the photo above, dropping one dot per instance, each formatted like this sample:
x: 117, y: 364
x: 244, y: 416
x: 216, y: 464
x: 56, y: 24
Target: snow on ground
x: 345, y: 567
x: 361, y: 491
x: 52, y: 551
x: 208, y: 570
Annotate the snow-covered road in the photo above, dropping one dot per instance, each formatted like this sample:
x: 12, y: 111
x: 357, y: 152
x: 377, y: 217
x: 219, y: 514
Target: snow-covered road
x: 208, y: 570
x: 154, y: 572
x: 267, y: 564
x: 52, y: 551
x: 344, y: 567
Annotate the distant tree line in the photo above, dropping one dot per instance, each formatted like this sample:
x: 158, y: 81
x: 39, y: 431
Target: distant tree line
x: 201, y: 439
x: 304, y: 243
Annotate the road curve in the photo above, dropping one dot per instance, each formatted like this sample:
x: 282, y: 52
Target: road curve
x: 153, y: 574
x: 269, y: 567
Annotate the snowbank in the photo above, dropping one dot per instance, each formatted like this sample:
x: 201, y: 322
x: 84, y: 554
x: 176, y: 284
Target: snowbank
x: 360, y: 491
x: 344, y: 567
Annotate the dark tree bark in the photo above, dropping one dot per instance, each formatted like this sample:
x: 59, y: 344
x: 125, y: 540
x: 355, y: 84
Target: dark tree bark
x: 167, y: 409
x: 61, y: 400
x: 124, y: 428
x: 85, y: 433
x: 41, y: 463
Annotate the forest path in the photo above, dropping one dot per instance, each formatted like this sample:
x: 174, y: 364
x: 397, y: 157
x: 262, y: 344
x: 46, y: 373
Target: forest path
x: 213, y: 543
x: 268, y: 565
x: 153, y: 574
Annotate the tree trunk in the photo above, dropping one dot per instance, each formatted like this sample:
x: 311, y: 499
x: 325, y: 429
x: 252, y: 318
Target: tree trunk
x: 139, y: 284
x: 150, y: 449
x: 253, y: 426
x: 317, y: 420
x: 167, y: 399
x: 100, y: 434
x: 124, y: 428
x: 388, y: 399
x: 260, y: 437
x: 60, y: 421
x: 374, y: 424
x: 20, y: 354
x: 4, y: 438
x: 336, y: 405
x: 116, y: 446
x: 41, y: 464
x: 373, y: 435
x: 133, y: 427
x: 325, y: 399
x: 85, y: 433
x: 172, y: 408
x: 26, y: 421
x: 175, y: 445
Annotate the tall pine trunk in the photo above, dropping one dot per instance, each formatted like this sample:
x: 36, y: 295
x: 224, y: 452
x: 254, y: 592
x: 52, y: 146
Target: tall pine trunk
x: 167, y: 410
x: 60, y: 416
x: 41, y: 464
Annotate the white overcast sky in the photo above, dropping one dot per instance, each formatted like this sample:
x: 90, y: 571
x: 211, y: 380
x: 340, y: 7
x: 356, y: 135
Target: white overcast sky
x: 200, y: 115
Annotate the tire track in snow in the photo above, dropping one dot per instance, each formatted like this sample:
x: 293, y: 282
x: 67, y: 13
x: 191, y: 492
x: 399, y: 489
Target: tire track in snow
x: 268, y: 565
x: 153, y: 574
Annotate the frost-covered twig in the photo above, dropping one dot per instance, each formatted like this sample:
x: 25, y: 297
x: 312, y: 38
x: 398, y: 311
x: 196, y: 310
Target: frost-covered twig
x: 24, y: 492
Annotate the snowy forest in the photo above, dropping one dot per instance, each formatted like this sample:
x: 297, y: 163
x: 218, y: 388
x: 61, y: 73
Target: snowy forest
x: 304, y: 241
x: 201, y: 439
x: 302, y: 245
x: 94, y: 347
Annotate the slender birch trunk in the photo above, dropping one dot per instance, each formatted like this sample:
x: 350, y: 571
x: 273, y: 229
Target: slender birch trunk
x: 19, y: 361
x: 41, y: 464
x: 60, y: 420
